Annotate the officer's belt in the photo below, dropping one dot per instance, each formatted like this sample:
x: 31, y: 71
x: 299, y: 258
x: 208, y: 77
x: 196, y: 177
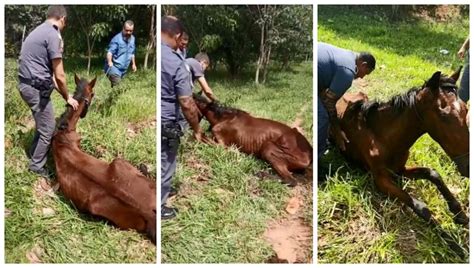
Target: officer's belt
x: 26, y: 81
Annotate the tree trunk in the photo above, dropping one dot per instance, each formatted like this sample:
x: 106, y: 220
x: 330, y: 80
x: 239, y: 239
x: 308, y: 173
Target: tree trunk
x: 261, y: 55
x: 151, y: 37
x: 89, y: 55
x: 267, y: 62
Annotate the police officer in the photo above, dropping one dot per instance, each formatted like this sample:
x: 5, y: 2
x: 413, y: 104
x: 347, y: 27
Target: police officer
x: 120, y: 53
x: 40, y: 71
x: 337, y: 68
x: 176, y: 93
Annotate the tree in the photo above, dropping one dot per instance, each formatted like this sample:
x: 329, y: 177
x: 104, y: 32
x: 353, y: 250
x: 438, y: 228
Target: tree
x: 265, y: 18
x: 19, y: 21
x: 151, y: 35
x: 241, y: 36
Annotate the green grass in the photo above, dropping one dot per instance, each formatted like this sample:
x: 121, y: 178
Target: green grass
x: 224, y: 206
x: 356, y: 224
x: 121, y: 127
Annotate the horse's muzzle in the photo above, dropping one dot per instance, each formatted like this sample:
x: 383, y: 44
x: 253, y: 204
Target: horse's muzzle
x: 462, y: 163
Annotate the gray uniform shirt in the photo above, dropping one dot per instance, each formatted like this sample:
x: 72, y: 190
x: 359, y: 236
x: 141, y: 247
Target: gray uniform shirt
x: 41, y: 46
x: 174, y: 84
x: 195, y: 68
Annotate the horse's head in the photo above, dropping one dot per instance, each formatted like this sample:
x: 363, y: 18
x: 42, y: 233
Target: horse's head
x: 444, y: 117
x: 84, y: 94
x: 202, y: 104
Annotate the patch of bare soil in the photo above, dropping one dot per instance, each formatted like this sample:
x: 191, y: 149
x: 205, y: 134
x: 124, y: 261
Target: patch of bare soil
x: 34, y: 255
x: 42, y: 190
x: 45, y: 188
x: 291, y: 237
x: 439, y: 13
x: 133, y: 129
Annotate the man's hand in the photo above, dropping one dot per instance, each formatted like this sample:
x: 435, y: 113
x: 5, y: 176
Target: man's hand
x: 340, y: 137
x: 210, y: 95
x: 134, y: 67
x: 71, y: 101
x: 110, y: 63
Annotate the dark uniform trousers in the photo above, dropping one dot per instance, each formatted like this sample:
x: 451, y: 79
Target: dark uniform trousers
x: 45, y: 125
x: 170, y: 140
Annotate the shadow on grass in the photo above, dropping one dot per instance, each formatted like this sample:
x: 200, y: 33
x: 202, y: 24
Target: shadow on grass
x: 401, y: 37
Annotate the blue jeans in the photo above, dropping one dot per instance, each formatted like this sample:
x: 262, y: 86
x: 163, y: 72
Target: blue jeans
x: 323, y: 128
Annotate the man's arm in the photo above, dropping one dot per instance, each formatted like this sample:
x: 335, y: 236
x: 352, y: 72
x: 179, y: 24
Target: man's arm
x: 188, y: 106
x: 134, y: 66
x: 60, y: 82
x: 464, y: 48
x: 109, y: 59
x: 113, y: 47
x: 205, y: 87
x: 190, y: 112
x: 329, y: 100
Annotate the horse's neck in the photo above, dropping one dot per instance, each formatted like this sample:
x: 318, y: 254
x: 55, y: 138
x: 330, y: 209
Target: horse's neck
x: 70, y: 119
x: 71, y: 138
x: 213, y: 118
x: 404, y: 128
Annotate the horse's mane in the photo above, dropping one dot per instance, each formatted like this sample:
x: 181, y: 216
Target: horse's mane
x: 219, y: 109
x: 400, y: 102
x: 78, y: 95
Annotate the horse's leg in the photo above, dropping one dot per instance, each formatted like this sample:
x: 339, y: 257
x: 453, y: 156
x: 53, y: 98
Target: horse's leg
x: 124, y: 216
x: 273, y: 155
x: 434, y: 177
x: 383, y: 181
x: 296, y: 150
x: 218, y: 133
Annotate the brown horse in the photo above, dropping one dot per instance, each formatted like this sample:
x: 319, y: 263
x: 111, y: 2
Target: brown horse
x: 381, y: 134
x: 117, y: 191
x: 285, y: 148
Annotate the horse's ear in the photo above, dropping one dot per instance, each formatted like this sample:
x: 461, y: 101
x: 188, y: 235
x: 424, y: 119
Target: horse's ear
x: 433, y: 83
x: 456, y: 74
x: 92, y: 83
x: 76, y: 79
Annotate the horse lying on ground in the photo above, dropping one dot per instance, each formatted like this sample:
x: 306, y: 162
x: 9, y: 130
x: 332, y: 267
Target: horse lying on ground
x: 381, y: 134
x: 285, y: 148
x: 117, y: 191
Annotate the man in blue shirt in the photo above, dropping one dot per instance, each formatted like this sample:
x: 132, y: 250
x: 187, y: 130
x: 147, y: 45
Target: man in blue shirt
x: 337, y: 68
x: 120, y: 53
x: 176, y: 94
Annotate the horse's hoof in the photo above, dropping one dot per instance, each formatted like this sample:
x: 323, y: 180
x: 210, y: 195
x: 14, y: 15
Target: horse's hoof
x: 457, y: 249
x: 291, y: 183
x: 461, y: 219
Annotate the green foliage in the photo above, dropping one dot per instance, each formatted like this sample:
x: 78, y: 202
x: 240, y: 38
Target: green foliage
x: 98, y: 23
x: 120, y: 127
x: 231, y: 34
x: 357, y: 224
